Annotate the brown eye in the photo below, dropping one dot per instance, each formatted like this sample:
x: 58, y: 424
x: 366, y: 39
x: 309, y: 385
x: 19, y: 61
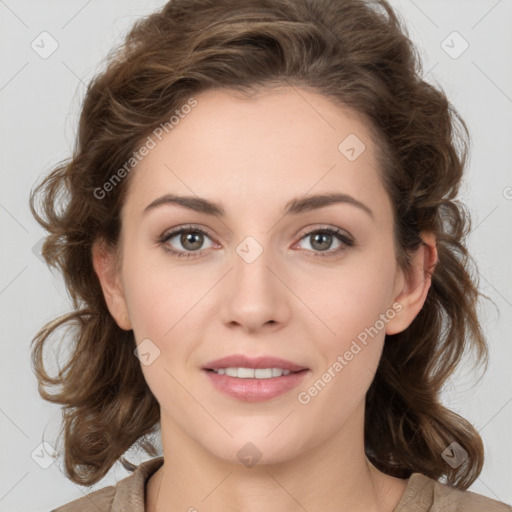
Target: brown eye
x: 322, y: 240
x: 185, y: 240
x: 191, y: 240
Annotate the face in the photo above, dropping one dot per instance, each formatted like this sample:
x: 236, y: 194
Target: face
x: 314, y: 284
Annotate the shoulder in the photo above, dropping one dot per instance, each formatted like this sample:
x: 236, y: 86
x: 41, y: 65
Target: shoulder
x: 446, y: 496
x: 423, y: 494
x: 127, y: 494
x: 94, y: 501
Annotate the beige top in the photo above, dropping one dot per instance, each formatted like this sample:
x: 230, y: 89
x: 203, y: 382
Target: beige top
x: 422, y: 494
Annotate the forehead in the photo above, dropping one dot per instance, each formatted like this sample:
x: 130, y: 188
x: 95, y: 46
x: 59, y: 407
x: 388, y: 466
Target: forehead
x: 260, y: 150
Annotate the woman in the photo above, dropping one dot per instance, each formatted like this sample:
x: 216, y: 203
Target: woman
x: 263, y: 244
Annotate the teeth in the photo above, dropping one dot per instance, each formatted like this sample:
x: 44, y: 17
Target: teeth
x: 252, y: 373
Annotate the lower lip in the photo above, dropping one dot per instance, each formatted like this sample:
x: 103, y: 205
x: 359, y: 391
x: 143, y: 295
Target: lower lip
x: 255, y: 390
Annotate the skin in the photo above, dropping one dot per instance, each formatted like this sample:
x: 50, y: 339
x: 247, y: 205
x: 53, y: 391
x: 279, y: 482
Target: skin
x: 254, y: 155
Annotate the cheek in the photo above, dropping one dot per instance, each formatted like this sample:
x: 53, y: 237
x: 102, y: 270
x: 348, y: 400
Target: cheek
x: 157, y: 294
x: 356, y: 304
x: 160, y: 304
x: 147, y: 302
x: 353, y: 299
x: 357, y: 314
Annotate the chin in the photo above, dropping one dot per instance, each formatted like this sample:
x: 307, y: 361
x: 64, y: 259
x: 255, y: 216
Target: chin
x: 253, y: 448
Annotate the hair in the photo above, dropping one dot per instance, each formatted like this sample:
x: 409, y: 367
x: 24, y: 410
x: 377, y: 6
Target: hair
x: 357, y: 54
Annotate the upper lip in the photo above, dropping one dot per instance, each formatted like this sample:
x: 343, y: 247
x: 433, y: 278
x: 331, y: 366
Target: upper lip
x: 242, y: 361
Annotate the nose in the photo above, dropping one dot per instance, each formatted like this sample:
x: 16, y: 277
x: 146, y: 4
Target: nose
x: 254, y: 294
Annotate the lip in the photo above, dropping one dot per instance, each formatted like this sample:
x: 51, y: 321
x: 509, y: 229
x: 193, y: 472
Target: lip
x: 254, y: 390
x: 240, y: 360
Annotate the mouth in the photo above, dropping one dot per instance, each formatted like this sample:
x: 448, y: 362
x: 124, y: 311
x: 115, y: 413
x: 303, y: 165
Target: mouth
x: 254, y: 379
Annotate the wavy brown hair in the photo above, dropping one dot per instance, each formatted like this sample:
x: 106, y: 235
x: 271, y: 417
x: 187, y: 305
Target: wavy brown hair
x: 356, y: 53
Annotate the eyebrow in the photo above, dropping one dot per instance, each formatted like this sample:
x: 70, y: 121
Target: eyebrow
x: 294, y: 206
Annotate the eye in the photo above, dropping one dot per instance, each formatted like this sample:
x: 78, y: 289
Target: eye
x: 321, y: 240
x: 190, y: 238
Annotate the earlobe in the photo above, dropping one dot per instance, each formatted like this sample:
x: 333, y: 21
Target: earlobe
x: 105, y: 265
x: 416, y: 284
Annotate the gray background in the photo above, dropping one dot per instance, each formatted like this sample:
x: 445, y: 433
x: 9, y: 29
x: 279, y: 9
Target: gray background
x: 39, y: 101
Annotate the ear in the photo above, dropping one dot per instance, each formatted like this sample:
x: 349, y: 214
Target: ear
x: 105, y: 265
x: 413, y: 285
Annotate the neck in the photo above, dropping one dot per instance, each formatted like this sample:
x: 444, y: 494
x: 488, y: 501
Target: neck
x: 332, y: 476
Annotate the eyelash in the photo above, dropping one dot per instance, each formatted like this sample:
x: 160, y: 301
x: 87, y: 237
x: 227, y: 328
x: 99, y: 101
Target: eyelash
x: 336, y: 232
